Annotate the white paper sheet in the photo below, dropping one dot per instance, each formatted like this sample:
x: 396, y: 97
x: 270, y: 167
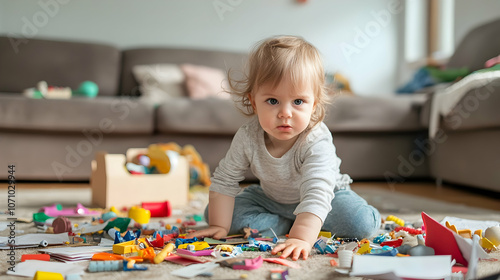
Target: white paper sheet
x: 73, y: 254
x: 427, y: 267
x: 193, y: 270
x: 30, y: 267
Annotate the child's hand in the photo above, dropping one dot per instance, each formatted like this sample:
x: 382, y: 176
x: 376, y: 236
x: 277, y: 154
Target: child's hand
x: 294, y: 247
x: 213, y: 231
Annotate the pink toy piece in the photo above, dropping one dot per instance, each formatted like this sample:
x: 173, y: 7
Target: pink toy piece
x: 57, y: 210
x: 492, y: 62
x: 250, y: 264
x: 282, y: 262
x: 195, y: 253
x: 185, y: 259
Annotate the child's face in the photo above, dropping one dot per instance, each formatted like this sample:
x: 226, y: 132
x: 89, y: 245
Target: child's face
x: 283, y: 112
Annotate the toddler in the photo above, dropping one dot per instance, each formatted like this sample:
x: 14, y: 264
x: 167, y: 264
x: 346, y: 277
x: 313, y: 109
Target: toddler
x: 290, y: 150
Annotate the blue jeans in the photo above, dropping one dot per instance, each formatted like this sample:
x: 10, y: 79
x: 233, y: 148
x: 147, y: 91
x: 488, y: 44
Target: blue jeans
x: 350, y: 216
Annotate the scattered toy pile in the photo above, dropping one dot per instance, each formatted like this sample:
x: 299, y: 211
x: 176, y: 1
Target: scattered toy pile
x: 132, y: 242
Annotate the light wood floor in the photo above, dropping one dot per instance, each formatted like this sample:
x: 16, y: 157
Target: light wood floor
x: 449, y: 193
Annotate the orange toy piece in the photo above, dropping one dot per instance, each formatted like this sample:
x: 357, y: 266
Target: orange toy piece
x: 465, y: 233
x: 103, y: 256
x: 484, y: 242
x: 147, y: 254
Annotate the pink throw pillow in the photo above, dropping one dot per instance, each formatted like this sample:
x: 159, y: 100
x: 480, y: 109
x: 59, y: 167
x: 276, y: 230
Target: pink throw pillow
x: 203, y: 82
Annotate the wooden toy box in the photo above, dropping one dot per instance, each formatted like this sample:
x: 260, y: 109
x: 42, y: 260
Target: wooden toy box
x: 113, y: 185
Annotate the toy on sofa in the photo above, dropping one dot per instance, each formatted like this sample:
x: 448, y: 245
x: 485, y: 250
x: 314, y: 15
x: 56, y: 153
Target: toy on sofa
x: 43, y: 90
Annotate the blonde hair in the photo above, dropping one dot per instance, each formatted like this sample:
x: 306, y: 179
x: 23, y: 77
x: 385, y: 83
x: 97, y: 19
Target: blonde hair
x: 275, y: 59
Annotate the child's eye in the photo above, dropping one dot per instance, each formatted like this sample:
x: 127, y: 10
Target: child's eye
x: 272, y: 101
x: 298, y: 102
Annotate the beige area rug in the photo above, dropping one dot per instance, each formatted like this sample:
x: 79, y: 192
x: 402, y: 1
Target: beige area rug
x: 407, y: 207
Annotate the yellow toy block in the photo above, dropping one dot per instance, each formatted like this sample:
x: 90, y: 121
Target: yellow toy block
x: 130, y: 246
x: 326, y: 234
x: 486, y: 244
x: 44, y: 275
x: 364, y: 249
x: 198, y: 245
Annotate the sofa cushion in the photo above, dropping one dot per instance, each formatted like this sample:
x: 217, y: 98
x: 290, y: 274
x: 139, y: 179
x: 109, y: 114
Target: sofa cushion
x: 25, y: 62
x: 349, y: 113
x: 200, y: 116
x: 477, y: 109
x: 216, y: 59
x: 107, y: 114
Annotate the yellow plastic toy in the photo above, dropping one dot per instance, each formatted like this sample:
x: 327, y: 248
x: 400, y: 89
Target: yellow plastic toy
x: 396, y: 220
x: 130, y: 246
x: 159, y: 159
x: 164, y: 253
x: 116, y: 211
x: 200, y: 171
x: 326, y: 234
x: 484, y: 242
x: 44, y: 275
x: 140, y: 215
x: 493, y: 234
x: 198, y: 245
x: 364, y: 249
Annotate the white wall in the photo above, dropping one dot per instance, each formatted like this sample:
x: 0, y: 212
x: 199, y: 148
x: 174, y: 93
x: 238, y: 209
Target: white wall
x: 358, y: 38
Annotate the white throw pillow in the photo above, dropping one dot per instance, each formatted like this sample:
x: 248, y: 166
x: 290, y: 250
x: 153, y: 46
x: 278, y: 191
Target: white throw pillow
x: 159, y: 82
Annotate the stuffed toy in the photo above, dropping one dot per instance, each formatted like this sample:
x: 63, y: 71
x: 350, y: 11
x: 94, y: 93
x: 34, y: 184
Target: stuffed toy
x: 43, y: 90
x: 199, y: 172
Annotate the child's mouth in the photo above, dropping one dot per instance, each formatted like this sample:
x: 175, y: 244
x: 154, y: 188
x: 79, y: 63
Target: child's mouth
x: 284, y: 127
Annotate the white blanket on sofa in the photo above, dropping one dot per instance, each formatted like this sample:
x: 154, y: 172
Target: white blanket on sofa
x: 445, y: 100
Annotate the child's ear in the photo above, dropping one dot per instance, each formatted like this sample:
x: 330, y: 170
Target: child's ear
x: 252, y: 101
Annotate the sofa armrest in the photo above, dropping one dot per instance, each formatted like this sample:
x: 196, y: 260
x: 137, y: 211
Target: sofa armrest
x: 471, y: 103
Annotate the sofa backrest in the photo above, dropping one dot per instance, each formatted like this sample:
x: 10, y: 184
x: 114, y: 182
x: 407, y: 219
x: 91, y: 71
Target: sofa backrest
x: 479, y: 45
x: 145, y: 56
x: 24, y: 62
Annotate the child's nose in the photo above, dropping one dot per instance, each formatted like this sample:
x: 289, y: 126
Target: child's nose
x: 285, y: 112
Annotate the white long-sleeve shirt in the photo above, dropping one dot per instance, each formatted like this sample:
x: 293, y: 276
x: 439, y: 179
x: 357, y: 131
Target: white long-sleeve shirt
x: 306, y: 174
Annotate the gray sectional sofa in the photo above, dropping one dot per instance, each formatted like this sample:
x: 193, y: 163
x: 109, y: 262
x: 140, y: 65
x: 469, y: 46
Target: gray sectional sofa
x: 56, y: 140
